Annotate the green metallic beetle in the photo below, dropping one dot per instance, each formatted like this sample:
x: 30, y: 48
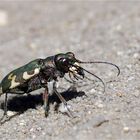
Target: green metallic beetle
x: 37, y: 73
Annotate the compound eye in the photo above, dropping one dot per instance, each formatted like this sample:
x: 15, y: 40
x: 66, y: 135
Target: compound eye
x: 70, y: 54
x: 65, y: 61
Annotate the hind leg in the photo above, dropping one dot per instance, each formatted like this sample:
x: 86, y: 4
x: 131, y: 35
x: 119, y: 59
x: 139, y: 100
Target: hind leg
x: 5, y: 116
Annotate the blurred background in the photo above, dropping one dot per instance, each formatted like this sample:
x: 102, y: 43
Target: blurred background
x: 93, y: 30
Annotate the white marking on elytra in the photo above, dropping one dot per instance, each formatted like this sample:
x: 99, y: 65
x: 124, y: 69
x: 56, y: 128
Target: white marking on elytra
x: 27, y: 76
x: 13, y: 82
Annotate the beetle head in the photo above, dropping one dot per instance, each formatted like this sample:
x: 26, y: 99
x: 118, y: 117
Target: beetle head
x: 67, y: 63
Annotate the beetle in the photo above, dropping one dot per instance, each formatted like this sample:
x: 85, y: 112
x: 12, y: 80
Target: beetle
x: 37, y: 73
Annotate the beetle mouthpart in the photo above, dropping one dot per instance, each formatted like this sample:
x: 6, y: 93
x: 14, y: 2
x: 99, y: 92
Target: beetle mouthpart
x: 73, y: 68
x: 81, y: 72
x: 76, y: 69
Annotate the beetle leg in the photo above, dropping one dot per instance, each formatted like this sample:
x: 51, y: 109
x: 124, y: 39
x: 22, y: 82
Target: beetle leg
x: 46, y: 101
x: 5, y: 116
x: 65, y: 105
x: 5, y: 105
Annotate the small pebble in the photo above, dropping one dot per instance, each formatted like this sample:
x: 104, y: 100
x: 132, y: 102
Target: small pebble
x: 43, y: 133
x: 89, y: 112
x: 119, y: 94
x: 92, y: 90
x: 99, y: 104
x: 33, y: 46
x: 75, y: 128
x: 120, y: 53
x: 3, y: 18
x: 78, y: 99
x: 117, y: 110
x: 136, y: 93
x: 129, y: 66
x: 39, y: 128
x: 22, y: 123
x: 109, y: 136
x: 136, y: 55
x: 33, y: 136
x: 130, y: 78
x: 32, y: 129
x: 126, y: 129
x: 119, y: 27
x: 10, y: 113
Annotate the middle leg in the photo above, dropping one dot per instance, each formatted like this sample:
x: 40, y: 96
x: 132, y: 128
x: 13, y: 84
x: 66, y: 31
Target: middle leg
x: 64, y: 103
x: 46, y: 101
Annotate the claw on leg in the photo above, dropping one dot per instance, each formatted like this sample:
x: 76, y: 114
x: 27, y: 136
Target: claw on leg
x: 4, y: 118
x: 64, y: 108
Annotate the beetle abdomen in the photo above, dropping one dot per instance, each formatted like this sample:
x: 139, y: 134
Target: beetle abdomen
x: 21, y: 75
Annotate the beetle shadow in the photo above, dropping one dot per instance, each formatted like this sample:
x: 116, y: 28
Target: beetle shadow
x: 21, y: 103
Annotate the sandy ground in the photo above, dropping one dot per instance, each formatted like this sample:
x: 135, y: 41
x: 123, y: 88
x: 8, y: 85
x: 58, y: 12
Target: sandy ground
x: 108, y: 31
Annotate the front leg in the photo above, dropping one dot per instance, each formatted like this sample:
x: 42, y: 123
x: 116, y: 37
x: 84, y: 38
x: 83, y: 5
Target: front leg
x: 46, y: 101
x: 65, y: 107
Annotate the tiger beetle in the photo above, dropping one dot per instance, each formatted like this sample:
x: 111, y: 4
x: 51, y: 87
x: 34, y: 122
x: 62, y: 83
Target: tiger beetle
x: 37, y: 73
